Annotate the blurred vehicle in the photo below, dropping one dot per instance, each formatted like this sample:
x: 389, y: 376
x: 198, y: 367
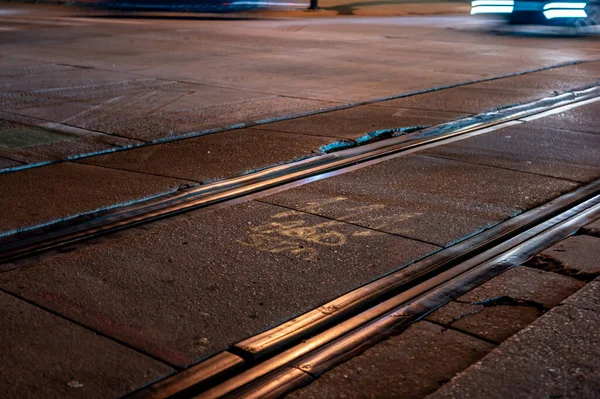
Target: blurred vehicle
x: 564, y: 13
x: 187, y: 5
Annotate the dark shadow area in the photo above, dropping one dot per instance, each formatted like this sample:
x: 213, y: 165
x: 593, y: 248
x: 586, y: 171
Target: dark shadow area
x: 545, y: 32
x: 214, y: 10
x: 501, y: 28
x: 348, y: 9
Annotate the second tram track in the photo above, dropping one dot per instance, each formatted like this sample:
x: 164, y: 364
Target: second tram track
x: 56, y: 235
x: 292, y: 354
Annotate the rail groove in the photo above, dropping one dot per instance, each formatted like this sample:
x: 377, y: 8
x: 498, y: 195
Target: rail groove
x: 54, y: 236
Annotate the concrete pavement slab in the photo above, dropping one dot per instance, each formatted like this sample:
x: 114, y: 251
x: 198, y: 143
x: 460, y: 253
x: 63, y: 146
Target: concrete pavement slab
x: 81, y: 142
x: 539, y: 82
x: 362, y: 86
x: 492, y: 324
x: 582, y: 119
x: 584, y: 70
x: 199, y: 96
x: 155, y: 98
x: 43, y: 109
x: 578, y: 253
x: 14, y: 67
x: 215, y: 156
x: 58, y: 191
x: 430, y: 199
x: 594, y: 225
x: 30, y: 140
x: 355, y: 122
x: 79, y: 83
x: 67, y: 97
x: 72, y: 85
x: 531, y: 148
x: 506, y: 304
x: 512, y: 45
x: 302, y: 73
x: 16, y: 101
x: 410, y: 365
x: 528, y: 284
x: 469, y: 99
x: 46, y: 356
x: 555, y: 357
x: 185, y: 290
x: 30, y: 136
x: 586, y: 298
x: 156, y: 125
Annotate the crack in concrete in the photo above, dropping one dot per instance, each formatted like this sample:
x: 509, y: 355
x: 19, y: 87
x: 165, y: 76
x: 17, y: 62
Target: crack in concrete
x: 501, y: 300
x: 589, y: 231
x: 549, y: 264
x: 505, y: 300
x: 477, y: 310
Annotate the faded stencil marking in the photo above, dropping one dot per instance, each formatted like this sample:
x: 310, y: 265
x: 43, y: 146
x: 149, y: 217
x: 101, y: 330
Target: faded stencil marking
x: 288, y: 231
x: 294, y: 236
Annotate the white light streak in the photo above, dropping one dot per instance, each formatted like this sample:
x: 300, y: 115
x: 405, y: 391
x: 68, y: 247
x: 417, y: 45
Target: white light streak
x: 492, y: 10
x: 550, y: 14
x: 565, y: 5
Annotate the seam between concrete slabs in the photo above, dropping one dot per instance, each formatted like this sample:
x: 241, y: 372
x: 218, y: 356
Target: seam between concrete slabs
x: 97, y: 332
x: 99, y: 132
x: 198, y: 182
x: 501, y: 167
x: 574, y: 130
x: 260, y: 127
x: 452, y: 328
x: 7, y: 156
x: 315, y: 152
x: 348, y: 223
x: 133, y: 73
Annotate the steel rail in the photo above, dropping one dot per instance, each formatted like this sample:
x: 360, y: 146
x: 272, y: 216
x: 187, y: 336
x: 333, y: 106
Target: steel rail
x: 50, y: 237
x: 246, y: 364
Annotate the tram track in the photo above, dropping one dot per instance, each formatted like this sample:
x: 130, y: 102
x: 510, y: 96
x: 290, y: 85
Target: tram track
x: 53, y: 236
x: 292, y: 354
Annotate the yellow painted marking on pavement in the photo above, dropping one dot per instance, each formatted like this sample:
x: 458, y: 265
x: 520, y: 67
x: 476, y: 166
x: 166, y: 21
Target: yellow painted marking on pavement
x: 295, y: 236
x: 288, y: 231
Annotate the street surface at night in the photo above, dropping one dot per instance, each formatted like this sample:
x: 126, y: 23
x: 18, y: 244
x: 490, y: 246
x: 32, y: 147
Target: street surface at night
x: 107, y: 119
